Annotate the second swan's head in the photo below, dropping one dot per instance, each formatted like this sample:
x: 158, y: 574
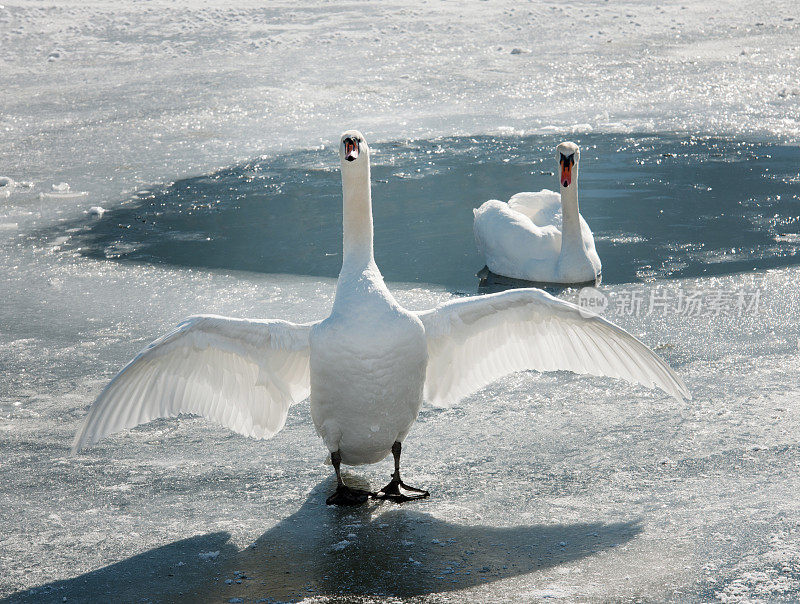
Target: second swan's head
x: 568, y: 155
x: 353, y: 149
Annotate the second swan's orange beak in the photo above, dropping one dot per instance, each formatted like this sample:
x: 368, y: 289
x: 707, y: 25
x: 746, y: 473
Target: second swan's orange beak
x: 566, y: 169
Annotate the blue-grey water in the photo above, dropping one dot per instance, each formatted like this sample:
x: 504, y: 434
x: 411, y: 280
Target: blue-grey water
x: 660, y: 206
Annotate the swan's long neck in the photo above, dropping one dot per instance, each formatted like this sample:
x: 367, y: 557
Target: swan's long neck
x: 357, y: 216
x: 570, y: 214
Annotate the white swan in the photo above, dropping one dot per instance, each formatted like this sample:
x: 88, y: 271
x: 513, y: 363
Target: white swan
x: 524, y: 240
x: 369, y: 364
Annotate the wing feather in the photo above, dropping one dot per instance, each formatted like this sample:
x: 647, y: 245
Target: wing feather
x: 242, y: 374
x: 474, y: 341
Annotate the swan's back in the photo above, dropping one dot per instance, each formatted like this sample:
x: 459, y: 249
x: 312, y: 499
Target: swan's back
x: 542, y: 207
x: 510, y: 242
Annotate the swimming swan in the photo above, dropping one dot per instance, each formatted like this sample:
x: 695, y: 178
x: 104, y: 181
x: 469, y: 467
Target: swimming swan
x: 367, y: 366
x: 528, y: 239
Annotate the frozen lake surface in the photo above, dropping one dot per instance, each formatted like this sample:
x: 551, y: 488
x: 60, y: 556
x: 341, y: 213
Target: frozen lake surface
x: 543, y: 487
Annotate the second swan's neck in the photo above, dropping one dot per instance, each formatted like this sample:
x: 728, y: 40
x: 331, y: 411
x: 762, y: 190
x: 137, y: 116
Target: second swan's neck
x: 357, y: 217
x: 570, y: 214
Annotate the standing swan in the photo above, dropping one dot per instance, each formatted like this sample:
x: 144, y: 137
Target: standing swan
x: 522, y: 240
x: 369, y: 364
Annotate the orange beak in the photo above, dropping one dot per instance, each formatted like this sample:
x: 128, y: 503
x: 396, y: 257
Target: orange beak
x: 350, y: 149
x: 566, y: 163
x: 566, y: 174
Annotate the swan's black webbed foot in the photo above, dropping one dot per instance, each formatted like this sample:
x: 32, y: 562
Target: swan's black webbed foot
x: 345, y: 495
x: 399, y: 492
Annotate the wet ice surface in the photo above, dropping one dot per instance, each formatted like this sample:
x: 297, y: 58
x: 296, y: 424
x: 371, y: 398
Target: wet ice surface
x: 542, y: 486
x: 665, y: 206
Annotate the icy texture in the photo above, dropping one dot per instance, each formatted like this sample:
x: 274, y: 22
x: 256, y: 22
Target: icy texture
x: 650, y: 498
x: 110, y: 96
x: 543, y: 486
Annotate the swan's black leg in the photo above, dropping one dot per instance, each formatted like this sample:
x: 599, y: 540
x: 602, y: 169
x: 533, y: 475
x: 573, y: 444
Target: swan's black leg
x: 397, y: 490
x: 345, y: 495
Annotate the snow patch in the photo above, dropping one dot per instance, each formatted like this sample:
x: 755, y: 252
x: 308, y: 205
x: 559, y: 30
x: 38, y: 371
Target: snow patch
x: 208, y: 555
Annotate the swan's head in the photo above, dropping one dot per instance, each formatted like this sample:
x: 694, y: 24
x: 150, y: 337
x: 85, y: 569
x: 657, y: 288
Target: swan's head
x: 568, y: 155
x: 352, y: 147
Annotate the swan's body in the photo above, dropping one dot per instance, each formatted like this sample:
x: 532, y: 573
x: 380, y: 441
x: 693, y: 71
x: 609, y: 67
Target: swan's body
x: 367, y: 370
x: 539, y: 237
x: 368, y: 364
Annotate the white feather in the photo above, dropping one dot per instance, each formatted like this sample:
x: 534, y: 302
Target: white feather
x: 542, y: 207
x: 474, y: 341
x: 240, y: 373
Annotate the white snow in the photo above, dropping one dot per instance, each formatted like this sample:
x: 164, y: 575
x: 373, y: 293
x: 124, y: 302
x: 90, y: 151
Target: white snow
x: 6, y: 186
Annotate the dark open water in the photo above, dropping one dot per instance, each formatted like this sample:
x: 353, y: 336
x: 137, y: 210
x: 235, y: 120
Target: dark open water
x: 659, y: 206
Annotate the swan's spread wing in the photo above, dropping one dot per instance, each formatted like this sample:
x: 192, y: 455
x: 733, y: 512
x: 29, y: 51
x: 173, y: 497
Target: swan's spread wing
x: 542, y: 207
x: 474, y: 341
x: 240, y: 373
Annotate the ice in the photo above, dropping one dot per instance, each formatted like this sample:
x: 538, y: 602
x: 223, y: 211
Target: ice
x: 529, y: 463
x: 96, y: 211
x: 290, y: 75
x: 155, y: 111
x: 6, y: 186
x: 62, y: 190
